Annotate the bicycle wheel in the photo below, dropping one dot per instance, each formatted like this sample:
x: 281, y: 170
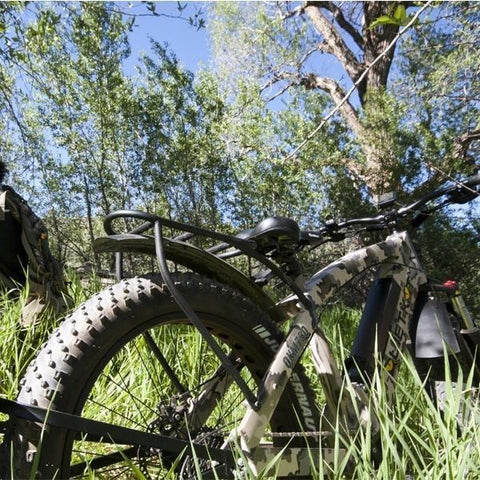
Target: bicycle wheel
x: 105, y: 363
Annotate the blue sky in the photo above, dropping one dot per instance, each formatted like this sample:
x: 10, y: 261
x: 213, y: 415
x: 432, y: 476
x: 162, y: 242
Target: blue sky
x: 189, y: 44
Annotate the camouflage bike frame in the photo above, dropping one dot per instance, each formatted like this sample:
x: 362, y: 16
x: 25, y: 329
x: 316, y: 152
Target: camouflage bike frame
x: 399, y: 264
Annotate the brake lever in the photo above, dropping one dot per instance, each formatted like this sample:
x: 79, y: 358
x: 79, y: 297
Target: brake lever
x: 423, y: 215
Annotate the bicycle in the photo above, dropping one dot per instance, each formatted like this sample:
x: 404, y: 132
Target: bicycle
x: 205, y: 341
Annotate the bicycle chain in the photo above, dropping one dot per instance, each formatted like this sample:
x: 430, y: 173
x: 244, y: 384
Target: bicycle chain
x: 298, y: 434
x: 286, y: 434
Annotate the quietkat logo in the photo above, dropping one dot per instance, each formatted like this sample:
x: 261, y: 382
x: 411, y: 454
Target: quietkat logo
x: 295, y: 381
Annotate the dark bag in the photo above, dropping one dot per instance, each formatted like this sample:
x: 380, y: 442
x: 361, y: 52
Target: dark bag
x: 26, y: 259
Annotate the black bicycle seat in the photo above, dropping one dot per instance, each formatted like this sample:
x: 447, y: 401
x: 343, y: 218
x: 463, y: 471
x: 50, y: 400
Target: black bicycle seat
x: 273, y: 232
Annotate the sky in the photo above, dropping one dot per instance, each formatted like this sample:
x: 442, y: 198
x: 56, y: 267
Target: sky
x: 192, y: 45
x: 188, y: 43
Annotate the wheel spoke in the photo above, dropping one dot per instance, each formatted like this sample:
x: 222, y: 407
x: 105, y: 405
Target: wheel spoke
x: 164, y: 363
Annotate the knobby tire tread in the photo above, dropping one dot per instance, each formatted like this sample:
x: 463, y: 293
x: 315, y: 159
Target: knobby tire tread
x: 65, y: 369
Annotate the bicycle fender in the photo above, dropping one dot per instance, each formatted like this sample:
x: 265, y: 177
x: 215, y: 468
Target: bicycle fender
x: 435, y: 334
x: 194, y: 258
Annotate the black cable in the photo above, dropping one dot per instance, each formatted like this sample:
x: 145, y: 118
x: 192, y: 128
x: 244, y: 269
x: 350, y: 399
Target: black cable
x: 196, y: 322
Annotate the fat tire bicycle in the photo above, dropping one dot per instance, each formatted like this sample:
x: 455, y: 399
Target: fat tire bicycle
x: 170, y: 375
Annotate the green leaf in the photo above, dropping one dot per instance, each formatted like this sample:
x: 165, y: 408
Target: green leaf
x: 399, y: 18
x: 400, y: 14
x: 383, y: 20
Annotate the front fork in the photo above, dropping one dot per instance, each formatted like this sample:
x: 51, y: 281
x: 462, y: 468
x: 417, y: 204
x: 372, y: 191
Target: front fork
x: 440, y: 324
x: 383, y: 332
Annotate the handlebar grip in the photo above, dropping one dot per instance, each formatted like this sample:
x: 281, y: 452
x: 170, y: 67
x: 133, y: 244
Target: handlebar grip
x: 465, y: 191
x: 472, y: 181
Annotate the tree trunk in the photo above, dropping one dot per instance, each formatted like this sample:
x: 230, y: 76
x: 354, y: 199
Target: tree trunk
x: 333, y: 26
x: 91, y: 232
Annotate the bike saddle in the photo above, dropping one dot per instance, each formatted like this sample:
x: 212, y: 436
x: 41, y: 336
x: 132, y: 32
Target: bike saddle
x: 273, y: 232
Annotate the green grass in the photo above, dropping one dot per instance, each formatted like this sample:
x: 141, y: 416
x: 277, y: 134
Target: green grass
x: 418, y: 441
x: 18, y: 342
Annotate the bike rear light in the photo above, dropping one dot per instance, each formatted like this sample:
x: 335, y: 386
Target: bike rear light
x: 451, y: 284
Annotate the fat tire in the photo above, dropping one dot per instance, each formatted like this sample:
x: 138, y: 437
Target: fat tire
x: 62, y: 375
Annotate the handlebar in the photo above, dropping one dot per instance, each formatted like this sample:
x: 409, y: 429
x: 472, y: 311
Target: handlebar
x: 459, y: 193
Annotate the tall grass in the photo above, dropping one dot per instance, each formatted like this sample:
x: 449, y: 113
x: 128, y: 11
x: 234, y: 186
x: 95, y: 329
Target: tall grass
x: 18, y: 342
x: 417, y: 439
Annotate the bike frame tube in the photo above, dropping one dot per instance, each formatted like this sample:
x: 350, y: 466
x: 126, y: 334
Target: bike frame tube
x: 398, y: 261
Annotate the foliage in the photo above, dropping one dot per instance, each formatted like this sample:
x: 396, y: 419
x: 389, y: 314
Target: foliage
x: 323, y: 47
x: 99, y: 141
x: 75, y: 142
x: 383, y: 121
x: 437, y: 82
x: 83, y: 138
x: 182, y: 158
x: 399, y: 17
x: 413, y: 125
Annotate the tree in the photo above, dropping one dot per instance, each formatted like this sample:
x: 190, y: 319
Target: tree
x: 17, y: 143
x: 241, y: 141
x: 411, y: 122
x: 181, y: 157
x: 438, y: 74
x: 79, y: 103
x: 105, y: 141
x: 287, y: 47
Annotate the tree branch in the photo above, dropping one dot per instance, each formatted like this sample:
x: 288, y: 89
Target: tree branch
x: 343, y: 22
x: 460, y: 152
x: 462, y: 143
x: 312, y: 81
x: 355, y: 85
x: 334, y: 40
